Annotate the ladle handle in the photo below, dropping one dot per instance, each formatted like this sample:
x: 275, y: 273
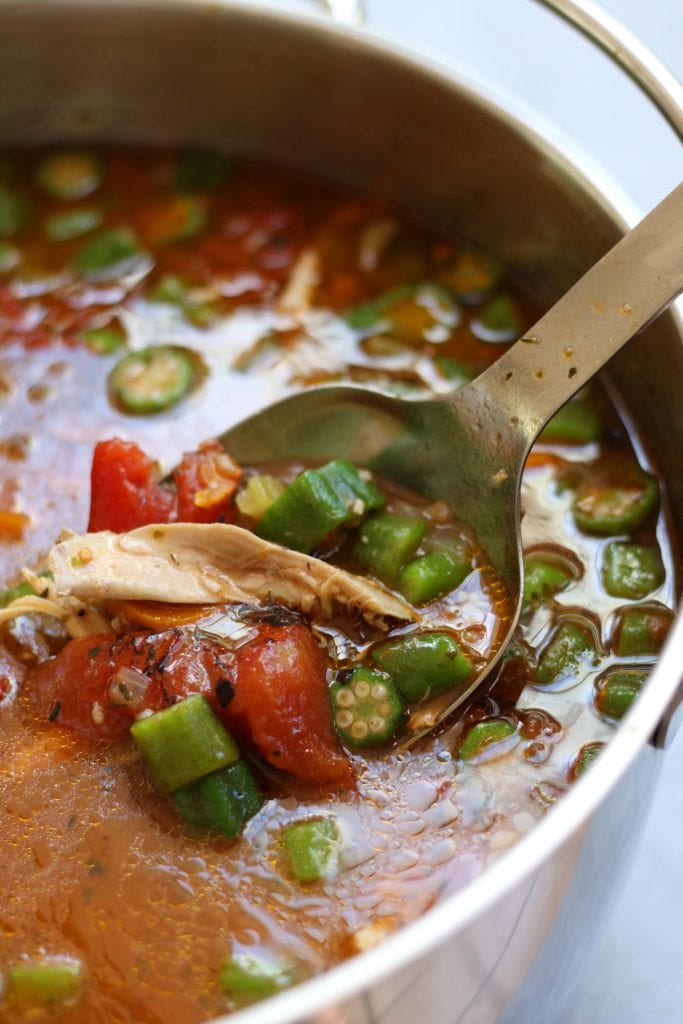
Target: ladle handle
x: 615, y: 300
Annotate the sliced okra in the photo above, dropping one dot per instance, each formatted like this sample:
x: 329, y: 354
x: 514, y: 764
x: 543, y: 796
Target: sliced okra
x: 631, y: 570
x: 367, y: 708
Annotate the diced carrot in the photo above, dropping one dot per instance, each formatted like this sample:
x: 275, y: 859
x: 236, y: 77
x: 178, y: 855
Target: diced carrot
x: 13, y: 524
x: 157, y: 614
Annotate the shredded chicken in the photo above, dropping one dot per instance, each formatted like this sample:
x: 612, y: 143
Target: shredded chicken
x: 295, y: 298
x: 188, y: 563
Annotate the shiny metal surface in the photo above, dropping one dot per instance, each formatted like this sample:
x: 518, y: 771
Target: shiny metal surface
x: 469, y: 448
x: 460, y: 160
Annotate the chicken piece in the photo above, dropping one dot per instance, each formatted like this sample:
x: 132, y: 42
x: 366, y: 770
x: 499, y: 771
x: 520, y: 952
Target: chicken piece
x: 213, y: 563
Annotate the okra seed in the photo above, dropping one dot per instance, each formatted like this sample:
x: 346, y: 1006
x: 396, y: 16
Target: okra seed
x: 345, y: 699
x: 361, y: 688
x: 359, y: 730
x: 378, y: 691
x: 344, y: 719
x: 376, y: 724
x: 385, y: 708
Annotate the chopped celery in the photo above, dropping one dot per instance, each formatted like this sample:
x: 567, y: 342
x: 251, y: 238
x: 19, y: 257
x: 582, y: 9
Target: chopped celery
x: 50, y: 981
x: 246, y: 977
x: 152, y: 379
x: 484, y: 737
x: 430, y: 576
x: 641, y: 631
x: 542, y: 579
x: 570, y: 646
x: 70, y: 175
x: 62, y: 227
x: 617, y: 690
x: 367, y: 708
x: 610, y: 508
x: 631, y: 570
x: 575, y: 423
x: 182, y: 743
x: 222, y: 801
x: 386, y: 542
x: 311, y: 848
x: 423, y: 664
x: 261, y: 491
x: 316, y: 503
x: 201, y: 170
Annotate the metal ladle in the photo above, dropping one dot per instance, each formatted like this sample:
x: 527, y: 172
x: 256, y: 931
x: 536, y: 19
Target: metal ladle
x: 468, y: 448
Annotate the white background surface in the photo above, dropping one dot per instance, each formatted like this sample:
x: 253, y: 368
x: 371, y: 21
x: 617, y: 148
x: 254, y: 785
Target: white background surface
x: 636, y: 977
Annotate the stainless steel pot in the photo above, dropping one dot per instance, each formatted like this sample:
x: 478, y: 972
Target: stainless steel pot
x: 332, y: 101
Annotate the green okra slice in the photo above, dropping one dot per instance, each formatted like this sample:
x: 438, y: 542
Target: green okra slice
x: 570, y: 647
x: 431, y: 575
x: 386, y: 542
x: 246, y: 977
x: 472, y: 276
x: 641, y: 630
x: 311, y: 848
x: 543, y: 578
x: 70, y: 175
x: 62, y: 227
x: 584, y: 759
x: 45, y: 983
x: 182, y: 743
x: 609, y: 508
x: 498, y: 320
x: 223, y: 801
x: 317, y: 502
x: 110, y: 254
x: 577, y: 422
x: 423, y: 664
x: 152, y: 379
x: 617, y: 690
x: 484, y: 737
x: 631, y: 570
x: 367, y: 708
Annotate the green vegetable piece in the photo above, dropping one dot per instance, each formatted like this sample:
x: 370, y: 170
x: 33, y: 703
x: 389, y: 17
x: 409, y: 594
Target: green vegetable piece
x: 62, y: 227
x: 14, y: 211
x: 113, y: 253
x: 606, y: 509
x: 246, y: 977
x: 316, y: 503
x: 367, y: 708
x: 575, y: 423
x: 423, y: 664
x: 152, y: 379
x: 570, y: 646
x: 430, y: 576
x: 371, y: 314
x: 641, y: 631
x: 585, y: 758
x: 542, y: 579
x: 455, y: 370
x: 50, y: 981
x: 498, y: 320
x: 311, y: 848
x: 617, y: 690
x: 201, y: 171
x: 103, y: 341
x: 386, y: 542
x: 22, y: 589
x: 472, y: 276
x: 70, y: 175
x: 631, y: 570
x: 176, y: 291
x: 223, y: 801
x: 183, y: 743
x: 10, y: 257
x: 484, y: 737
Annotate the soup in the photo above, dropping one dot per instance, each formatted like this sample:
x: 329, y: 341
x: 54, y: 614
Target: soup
x: 148, y: 301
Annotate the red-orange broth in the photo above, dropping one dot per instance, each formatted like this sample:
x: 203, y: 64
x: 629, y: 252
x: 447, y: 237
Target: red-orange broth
x: 261, y: 278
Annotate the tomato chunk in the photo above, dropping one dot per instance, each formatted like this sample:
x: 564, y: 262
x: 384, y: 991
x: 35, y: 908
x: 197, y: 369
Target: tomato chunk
x: 280, y: 706
x: 206, y: 481
x: 124, y: 493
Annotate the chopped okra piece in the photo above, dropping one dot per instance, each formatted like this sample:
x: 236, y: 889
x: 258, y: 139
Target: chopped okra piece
x: 575, y: 423
x: 258, y: 495
x: 367, y: 708
x: 223, y: 801
x: 606, y: 509
x: 201, y: 171
x: 430, y: 576
x: 152, y: 379
x: 112, y: 253
x: 423, y: 664
x: 631, y: 570
x: 570, y: 646
x: 412, y: 314
x: 386, y: 542
x: 542, y: 579
x: 472, y: 277
x: 311, y: 848
x: 246, y: 977
x: 62, y: 227
x: 484, y: 737
x: 174, y: 219
x: 103, y: 341
x: 70, y: 175
x: 498, y: 321
x: 14, y: 211
x: 10, y: 257
x: 584, y: 759
x: 370, y: 314
x: 455, y: 370
x: 617, y: 690
x: 176, y: 291
x: 318, y: 502
x: 44, y: 983
x: 183, y: 743
x: 641, y: 631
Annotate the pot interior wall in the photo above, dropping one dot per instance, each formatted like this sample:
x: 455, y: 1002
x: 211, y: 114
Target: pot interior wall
x: 245, y: 81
